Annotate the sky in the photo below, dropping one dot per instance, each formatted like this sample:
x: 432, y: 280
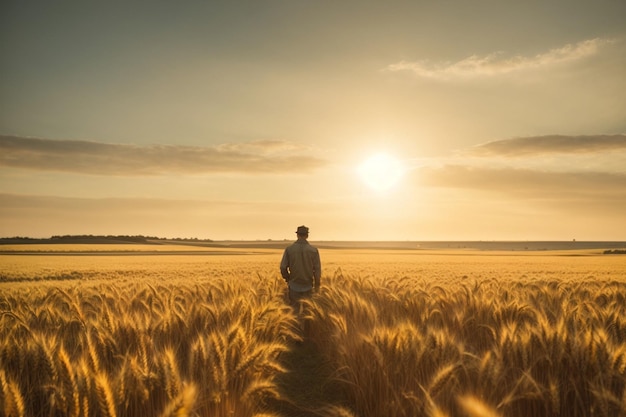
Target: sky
x: 414, y: 120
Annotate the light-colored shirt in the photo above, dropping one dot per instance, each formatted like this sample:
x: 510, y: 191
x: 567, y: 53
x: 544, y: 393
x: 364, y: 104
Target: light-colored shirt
x: 301, y: 266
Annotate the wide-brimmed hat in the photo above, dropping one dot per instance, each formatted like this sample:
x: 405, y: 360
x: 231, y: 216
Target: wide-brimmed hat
x: 302, y: 230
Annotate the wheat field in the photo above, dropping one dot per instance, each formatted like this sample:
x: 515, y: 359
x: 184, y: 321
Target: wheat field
x: 392, y: 333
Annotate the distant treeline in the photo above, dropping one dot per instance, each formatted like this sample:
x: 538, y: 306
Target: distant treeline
x: 97, y: 239
x: 615, y: 252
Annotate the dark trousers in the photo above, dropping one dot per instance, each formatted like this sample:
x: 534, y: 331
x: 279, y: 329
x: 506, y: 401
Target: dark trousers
x: 296, y: 296
x: 295, y: 299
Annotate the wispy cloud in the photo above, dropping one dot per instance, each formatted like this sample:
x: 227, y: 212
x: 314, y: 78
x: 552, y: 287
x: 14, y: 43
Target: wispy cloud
x: 264, y: 147
x: 497, y: 63
x: 601, y: 187
x: 98, y: 158
x: 550, y: 144
x: 548, y: 168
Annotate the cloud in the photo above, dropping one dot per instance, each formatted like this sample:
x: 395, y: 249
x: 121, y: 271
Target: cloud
x: 496, y: 64
x: 550, y: 144
x: 525, y: 183
x: 266, y: 147
x: 97, y: 158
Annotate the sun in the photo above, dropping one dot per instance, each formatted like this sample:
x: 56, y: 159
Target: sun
x: 381, y: 171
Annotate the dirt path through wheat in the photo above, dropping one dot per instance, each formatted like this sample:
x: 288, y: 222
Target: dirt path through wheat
x: 307, y: 387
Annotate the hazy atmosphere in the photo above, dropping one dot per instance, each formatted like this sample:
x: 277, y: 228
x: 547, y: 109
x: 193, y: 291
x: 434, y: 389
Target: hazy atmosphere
x: 363, y: 120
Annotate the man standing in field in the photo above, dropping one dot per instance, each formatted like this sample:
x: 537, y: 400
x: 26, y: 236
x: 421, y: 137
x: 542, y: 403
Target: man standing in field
x: 301, y: 267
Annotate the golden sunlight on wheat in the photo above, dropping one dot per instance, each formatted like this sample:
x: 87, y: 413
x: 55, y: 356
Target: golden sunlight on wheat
x: 395, y: 335
x: 198, y: 348
x: 410, y: 346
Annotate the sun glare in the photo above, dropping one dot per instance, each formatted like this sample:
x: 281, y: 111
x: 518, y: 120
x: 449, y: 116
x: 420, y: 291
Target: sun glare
x: 381, y: 171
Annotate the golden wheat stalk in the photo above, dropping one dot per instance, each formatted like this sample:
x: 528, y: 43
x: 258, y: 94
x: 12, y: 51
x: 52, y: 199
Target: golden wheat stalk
x: 69, y: 376
x: 182, y: 405
x: 474, y: 407
x: 106, y: 400
x: 14, y: 404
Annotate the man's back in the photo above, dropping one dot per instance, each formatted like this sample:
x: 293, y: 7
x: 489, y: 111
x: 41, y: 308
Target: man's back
x: 301, y: 266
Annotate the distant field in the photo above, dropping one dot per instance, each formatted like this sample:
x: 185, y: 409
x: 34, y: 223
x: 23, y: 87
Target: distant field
x: 146, y: 244
x: 133, y: 330
x: 110, y: 261
x: 122, y: 249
